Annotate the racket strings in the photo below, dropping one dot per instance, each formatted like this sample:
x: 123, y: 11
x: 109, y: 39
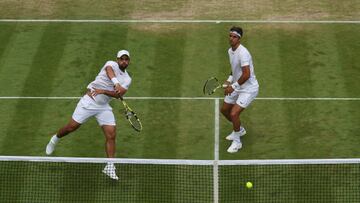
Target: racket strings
x: 211, y: 85
x: 135, y: 122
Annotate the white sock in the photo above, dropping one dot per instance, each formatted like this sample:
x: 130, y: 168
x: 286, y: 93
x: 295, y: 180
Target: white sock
x: 242, y: 128
x: 55, y: 139
x: 237, y: 136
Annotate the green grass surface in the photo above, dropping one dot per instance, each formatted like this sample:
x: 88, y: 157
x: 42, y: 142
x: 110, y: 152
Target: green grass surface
x: 173, y: 60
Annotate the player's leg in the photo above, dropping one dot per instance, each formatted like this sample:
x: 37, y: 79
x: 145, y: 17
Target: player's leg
x: 229, y: 102
x: 68, y: 128
x: 242, y: 102
x: 106, y: 120
x: 226, y: 109
x: 110, y: 142
x: 80, y: 116
x: 235, y: 119
x: 110, y: 147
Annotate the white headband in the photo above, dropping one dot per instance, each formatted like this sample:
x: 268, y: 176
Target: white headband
x: 236, y: 33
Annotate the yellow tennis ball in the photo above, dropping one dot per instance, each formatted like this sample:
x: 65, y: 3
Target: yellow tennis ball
x: 249, y: 185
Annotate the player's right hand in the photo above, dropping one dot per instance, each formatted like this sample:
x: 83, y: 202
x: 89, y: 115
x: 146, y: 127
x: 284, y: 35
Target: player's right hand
x: 227, y: 83
x: 228, y: 90
x: 117, y: 88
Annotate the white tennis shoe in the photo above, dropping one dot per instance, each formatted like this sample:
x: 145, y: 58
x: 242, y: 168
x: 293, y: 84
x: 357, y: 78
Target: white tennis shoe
x: 110, y: 171
x: 232, y: 134
x: 234, y: 147
x: 50, y: 147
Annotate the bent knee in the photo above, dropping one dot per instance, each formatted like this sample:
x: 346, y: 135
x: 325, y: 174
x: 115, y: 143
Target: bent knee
x: 111, y: 136
x: 234, y: 115
x: 225, y: 111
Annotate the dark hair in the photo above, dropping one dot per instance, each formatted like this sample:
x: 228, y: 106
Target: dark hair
x: 237, y: 29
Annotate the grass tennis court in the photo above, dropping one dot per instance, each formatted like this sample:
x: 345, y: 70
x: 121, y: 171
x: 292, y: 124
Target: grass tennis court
x: 292, y: 60
x: 59, y: 59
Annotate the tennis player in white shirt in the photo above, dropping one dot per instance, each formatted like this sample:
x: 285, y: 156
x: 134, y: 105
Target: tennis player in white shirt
x: 112, y: 81
x: 243, y: 87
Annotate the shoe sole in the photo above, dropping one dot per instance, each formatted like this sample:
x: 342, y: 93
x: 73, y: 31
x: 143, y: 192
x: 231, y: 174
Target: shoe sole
x: 237, y: 149
x: 234, y: 151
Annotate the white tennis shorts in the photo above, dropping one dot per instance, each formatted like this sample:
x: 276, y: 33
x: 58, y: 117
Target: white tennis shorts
x: 84, y: 111
x: 242, y: 99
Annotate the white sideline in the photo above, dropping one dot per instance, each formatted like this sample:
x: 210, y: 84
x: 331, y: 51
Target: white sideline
x: 179, y: 21
x: 216, y: 153
x: 206, y: 98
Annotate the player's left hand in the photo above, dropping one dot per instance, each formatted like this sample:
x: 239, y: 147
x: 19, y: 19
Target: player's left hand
x: 96, y: 92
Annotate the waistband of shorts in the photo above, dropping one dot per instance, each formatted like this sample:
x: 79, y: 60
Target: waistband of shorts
x: 88, y: 93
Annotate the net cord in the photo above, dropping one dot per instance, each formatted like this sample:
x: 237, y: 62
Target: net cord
x: 180, y: 161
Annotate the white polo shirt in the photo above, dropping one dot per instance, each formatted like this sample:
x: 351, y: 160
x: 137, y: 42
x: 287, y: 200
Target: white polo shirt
x: 240, y: 58
x: 102, y: 81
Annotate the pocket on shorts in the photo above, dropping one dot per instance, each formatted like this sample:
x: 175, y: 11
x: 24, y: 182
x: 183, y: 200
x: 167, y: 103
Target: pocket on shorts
x: 245, y: 99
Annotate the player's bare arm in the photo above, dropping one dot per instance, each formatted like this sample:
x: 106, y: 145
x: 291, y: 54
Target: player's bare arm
x: 243, y: 78
x: 109, y: 93
x: 245, y: 75
x: 110, y: 73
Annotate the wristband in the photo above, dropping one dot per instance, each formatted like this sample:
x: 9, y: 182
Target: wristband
x: 115, y: 81
x: 230, y: 78
x: 235, y: 85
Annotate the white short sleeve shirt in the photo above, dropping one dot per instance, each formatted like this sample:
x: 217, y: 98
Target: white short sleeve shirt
x: 240, y: 58
x: 102, y: 81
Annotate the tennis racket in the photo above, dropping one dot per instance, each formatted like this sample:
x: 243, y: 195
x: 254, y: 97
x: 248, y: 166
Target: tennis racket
x: 131, y: 116
x: 211, y: 85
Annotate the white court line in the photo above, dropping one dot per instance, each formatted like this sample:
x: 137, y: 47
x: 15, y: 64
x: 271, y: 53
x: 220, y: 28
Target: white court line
x: 180, y: 21
x: 217, y: 124
x: 216, y: 153
x: 202, y: 98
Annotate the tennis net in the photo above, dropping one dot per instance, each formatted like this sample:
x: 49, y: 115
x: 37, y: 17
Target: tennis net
x: 61, y: 179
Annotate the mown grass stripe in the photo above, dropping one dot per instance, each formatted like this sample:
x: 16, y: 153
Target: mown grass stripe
x: 6, y: 37
x: 51, y: 47
x: 348, y: 47
x: 167, y: 70
x: 39, y: 81
x: 295, y: 77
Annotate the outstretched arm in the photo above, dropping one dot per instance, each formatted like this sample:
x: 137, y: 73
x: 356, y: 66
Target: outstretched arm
x: 108, y: 93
